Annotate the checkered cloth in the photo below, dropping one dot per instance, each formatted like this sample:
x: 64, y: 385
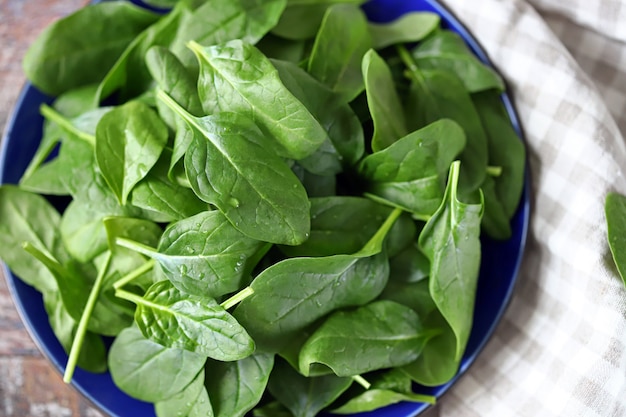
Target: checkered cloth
x: 561, y: 347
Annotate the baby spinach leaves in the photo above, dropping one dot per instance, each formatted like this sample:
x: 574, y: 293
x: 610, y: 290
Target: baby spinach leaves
x: 237, y: 77
x: 129, y: 141
x: 198, y: 324
x: 284, y: 159
x: 450, y: 240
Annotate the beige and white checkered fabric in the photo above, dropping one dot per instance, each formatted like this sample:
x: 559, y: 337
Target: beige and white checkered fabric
x: 561, y: 348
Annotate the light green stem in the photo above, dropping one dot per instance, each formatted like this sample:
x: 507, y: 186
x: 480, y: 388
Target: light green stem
x: 136, y: 246
x: 375, y: 244
x: 79, y: 337
x: 408, y: 60
x: 134, y: 274
x: 237, y: 298
x: 494, y: 171
x: 361, y: 381
x: 52, y: 115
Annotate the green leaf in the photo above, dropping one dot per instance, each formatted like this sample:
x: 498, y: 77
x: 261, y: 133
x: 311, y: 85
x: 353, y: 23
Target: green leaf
x: 446, y: 50
x: 129, y: 141
x: 436, y: 94
x: 82, y: 231
x: 451, y: 241
x: 383, y: 101
x: 230, y: 166
x: 615, y: 212
x: 302, y: 19
x: 137, y: 366
x: 93, y: 355
x: 272, y: 409
x: 79, y: 49
x: 129, y: 75
x: 506, y: 149
x: 236, y: 387
x: 237, y: 77
x: 203, y: 254
x: 410, y: 173
x: 410, y: 27
x: 386, y: 334
x: 197, y: 324
x: 495, y: 221
x: 342, y: 41
x: 28, y: 217
x: 193, y: 401
x: 247, y: 20
x: 437, y: 364
x: 304, y: 290
x: 345, y: 144
x: 373, y: 399
x: 305, y: 397
x: 157, y: 193
x: 340, y: 225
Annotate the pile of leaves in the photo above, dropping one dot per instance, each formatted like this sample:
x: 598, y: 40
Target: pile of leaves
x: 271, y: 206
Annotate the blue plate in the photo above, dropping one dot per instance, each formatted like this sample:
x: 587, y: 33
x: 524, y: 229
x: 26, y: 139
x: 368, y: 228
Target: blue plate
x: 499, y: 268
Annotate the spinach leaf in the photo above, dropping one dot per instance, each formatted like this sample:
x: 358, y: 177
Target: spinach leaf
x: 203, y: 254
x: 340, y: 225
x: 28, y: 217
x: 451, y: 242
x: 157, y: 193
x: 79, y: 49
x: 438, y: 362
x: 74, y: 284
x: 615, y: 213
x: 386, y: 334
x: 129, y: 75
x: 236, y: 387
x: 446, y: 50
x: 410, y: 265
x: 383, y: 101
x: 339, y: 48
x: 506, y: 150
x: 137, y: 366
x: 182, y: 321
x: 375, y: 398
x: 305, y: 397
x: 436, y: 94
x: 129, y: 141
x: 247, y: 20
x: 82, y: 231
x: 272, y: 409
x: 495, y: 221
x: 345, y: 133
x: 410, y: 27
x: 303, y: 290
x: 302, y: 19
x: 237, y: 77
x: 275, y: 47
x: 172, y: 77
x: 193, y: 401
x: 228, y: 165
x: 93, y: 355
x: 394, y: 174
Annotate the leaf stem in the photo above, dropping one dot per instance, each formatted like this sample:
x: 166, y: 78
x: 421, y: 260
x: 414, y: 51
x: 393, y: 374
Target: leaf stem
x: 134, y: 274
x: 237, y: 298
x: 56, y: 117
x: 408, y: 60
x: 494, y: 171
x: 361, y: 381
x: 136, y: 246
x: 79, y: 337
x: 375, y: 244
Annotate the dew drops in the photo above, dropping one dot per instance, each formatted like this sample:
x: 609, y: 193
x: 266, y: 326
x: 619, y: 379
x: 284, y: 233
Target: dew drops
x: 182, y: 269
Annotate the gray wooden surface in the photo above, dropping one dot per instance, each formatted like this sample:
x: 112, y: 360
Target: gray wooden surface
x: 29, y: 385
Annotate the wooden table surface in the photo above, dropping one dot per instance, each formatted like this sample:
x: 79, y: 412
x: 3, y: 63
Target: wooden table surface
x: 29, y: 385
